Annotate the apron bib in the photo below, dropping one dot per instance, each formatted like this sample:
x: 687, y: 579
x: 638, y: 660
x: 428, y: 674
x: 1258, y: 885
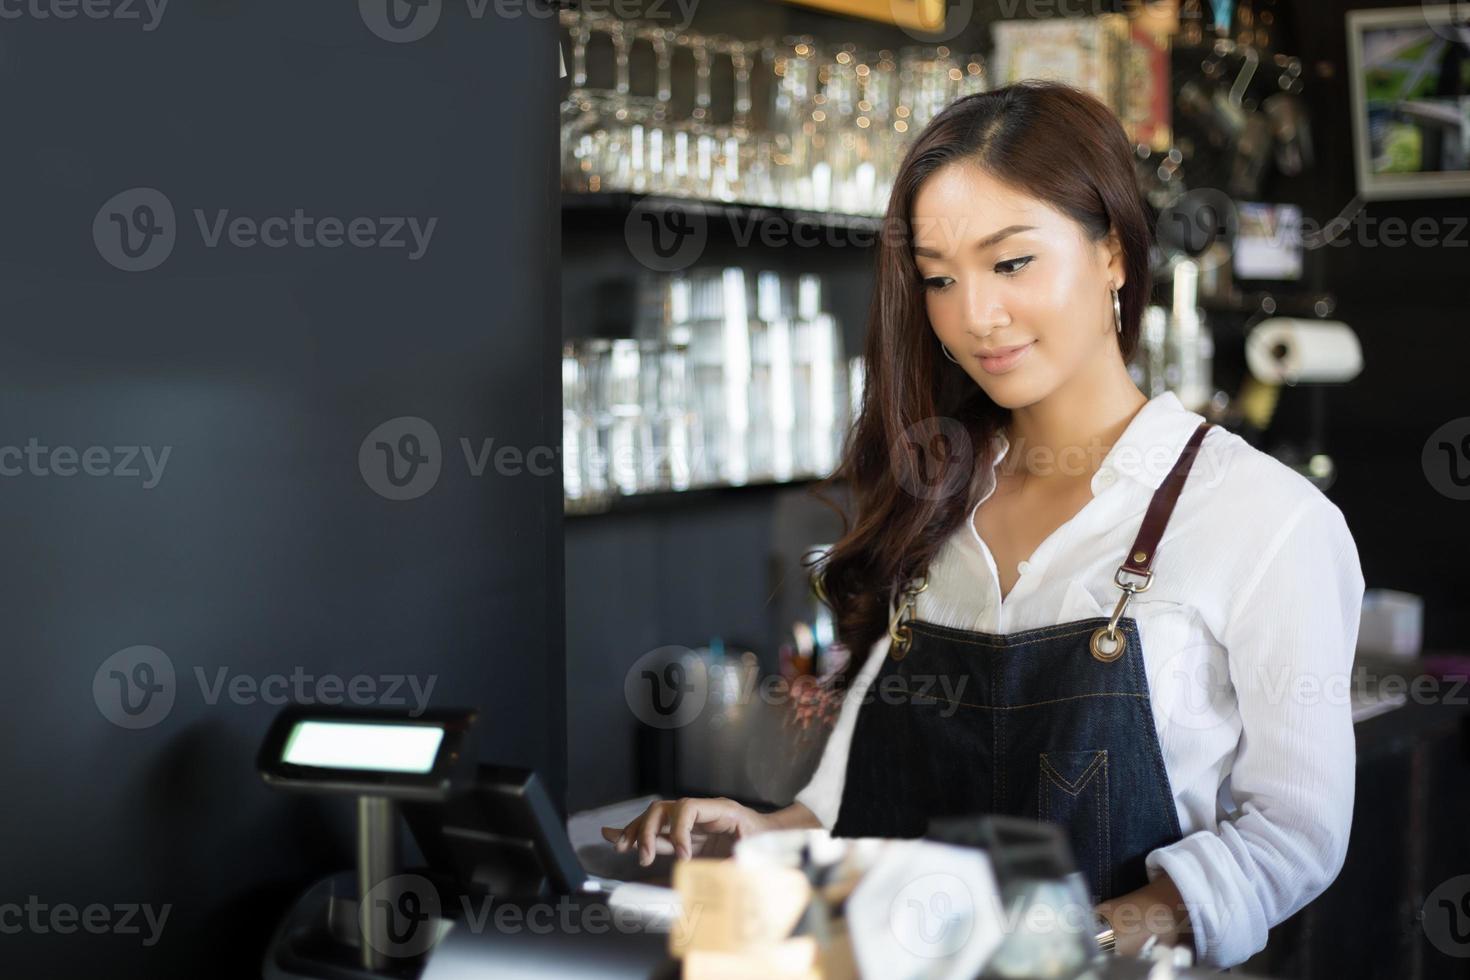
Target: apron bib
x: 1051, y: 724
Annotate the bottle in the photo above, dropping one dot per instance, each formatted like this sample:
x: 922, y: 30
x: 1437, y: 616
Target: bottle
x: 1189, y: 347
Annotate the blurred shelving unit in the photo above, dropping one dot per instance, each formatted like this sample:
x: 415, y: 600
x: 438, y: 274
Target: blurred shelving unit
x: 670, y: 500
x: 615, y: 206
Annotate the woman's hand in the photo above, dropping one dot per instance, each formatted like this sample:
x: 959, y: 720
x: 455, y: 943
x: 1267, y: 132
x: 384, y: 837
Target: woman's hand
x: 687, y: 826
x: 1156, y: 909
x: 693, y: 825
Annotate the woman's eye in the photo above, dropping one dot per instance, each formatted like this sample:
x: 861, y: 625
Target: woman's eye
x: 1012, y: 266
x: 937, y: 282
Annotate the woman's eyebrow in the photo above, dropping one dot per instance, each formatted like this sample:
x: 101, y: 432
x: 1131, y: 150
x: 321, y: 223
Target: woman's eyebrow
x: 985, y: 242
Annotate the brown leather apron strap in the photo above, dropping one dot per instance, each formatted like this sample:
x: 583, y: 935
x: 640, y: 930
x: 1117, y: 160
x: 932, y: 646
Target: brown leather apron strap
x: 1141, y: 556
x: 1107, y: 644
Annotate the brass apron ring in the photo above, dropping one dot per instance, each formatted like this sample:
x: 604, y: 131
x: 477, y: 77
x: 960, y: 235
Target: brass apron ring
x: 898, y: 632
x: 1110, y: 633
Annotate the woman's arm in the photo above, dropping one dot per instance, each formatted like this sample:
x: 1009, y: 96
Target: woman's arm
x: 796, y: 816
x: 1156, y: 909
x: 1290, y: 638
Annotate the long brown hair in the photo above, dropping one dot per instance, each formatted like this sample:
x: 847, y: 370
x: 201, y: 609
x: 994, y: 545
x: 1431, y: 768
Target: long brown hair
x: 924, y: 424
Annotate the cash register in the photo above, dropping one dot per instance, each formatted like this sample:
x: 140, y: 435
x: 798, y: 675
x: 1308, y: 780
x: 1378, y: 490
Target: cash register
x: 500, y: 891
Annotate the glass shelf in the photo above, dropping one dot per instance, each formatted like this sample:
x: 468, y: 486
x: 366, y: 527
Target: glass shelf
x: 667, y: 500
x: 1270, y: 303
x: 618, y: 204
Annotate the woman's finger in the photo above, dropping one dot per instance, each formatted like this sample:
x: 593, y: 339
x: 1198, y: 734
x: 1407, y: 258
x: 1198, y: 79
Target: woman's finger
x: 621, y: 837
x: 681, y: 824
x: 627, y: 836
x: 648, y: 833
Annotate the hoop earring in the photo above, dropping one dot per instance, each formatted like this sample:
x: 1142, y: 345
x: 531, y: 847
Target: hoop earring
x: 947, y: 353
x: 1117, y: 310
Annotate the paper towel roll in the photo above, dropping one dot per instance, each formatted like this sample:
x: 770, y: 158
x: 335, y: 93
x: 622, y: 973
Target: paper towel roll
x: 1286, y: 350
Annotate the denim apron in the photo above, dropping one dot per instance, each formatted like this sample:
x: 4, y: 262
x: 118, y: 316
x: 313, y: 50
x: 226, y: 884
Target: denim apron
x: 1052, y: 724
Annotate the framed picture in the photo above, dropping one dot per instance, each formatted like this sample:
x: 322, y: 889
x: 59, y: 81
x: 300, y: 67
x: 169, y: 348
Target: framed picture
x: 1410, y: 69
x: 925, y: 15
x: 1123, y: 61
x: 1268, y: 242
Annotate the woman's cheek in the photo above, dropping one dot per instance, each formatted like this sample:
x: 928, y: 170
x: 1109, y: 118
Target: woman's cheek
x: 942, y: 317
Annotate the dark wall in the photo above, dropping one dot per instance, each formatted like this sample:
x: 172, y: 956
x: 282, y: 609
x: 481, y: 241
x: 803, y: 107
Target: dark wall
x: 264, y: 549
x: 1409, y: 306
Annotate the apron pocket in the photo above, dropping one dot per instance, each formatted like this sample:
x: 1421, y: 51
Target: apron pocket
x: 1073, y: 792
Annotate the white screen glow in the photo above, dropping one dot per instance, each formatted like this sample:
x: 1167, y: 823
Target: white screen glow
x: 354, y: 745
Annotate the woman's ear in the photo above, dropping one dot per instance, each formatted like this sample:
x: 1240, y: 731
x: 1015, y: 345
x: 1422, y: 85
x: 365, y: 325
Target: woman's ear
x: 1117, y: 268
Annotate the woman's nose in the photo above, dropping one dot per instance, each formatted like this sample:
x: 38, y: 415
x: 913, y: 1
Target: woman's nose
x: 983, y: 311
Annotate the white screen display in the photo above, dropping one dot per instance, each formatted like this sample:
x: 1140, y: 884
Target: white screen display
x: 356, y: 745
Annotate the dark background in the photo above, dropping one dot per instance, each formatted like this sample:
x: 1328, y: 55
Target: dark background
x: 262, y: 549
x: 1409, y: 306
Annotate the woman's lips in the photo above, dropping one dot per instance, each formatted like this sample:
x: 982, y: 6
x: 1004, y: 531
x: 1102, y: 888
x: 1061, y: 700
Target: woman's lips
x: 1006, y: 360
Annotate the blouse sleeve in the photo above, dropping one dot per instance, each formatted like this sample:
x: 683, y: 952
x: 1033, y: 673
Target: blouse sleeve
x: 1289, y: 638
x: 823, y: 793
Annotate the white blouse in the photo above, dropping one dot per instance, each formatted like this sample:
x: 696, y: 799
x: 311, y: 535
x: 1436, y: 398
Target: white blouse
x: 1248, y: 633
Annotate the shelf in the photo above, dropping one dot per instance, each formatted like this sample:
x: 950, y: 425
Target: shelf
x: 1272, y: 304
x: 740, y: 217
x: 668, y: 500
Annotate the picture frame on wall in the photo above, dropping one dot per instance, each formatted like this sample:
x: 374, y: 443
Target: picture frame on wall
x: 1122, y: 60
x: 923, y: 15
x: 1410, y: 74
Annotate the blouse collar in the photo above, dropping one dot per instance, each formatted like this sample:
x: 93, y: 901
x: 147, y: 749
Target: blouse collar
x: 1146, y: 450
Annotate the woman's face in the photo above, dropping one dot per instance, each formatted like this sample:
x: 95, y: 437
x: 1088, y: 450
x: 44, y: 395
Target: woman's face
x: 1000, y: 270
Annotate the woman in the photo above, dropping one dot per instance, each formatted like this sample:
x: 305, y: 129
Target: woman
x: 1182, y: 715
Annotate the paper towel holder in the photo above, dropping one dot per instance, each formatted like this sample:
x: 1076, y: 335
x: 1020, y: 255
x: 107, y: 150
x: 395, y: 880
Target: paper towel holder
x: 1328, y: 352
